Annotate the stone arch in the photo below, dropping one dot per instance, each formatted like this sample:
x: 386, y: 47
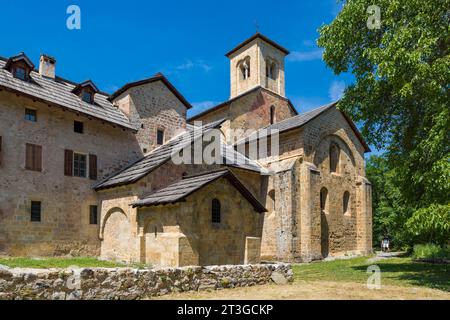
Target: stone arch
x: 244, y: 68
x: 323, y: 149
x: 106, y: 217
x: 116, y: 236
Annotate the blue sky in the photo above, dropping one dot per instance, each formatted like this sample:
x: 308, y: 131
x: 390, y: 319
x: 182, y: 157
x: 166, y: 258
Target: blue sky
x: 123, y: 41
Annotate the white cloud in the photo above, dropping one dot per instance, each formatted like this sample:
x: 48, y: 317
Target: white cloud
x: 202, y: 106
x: 336, y: 90
x: 189, y: 64
x: 306, y: 55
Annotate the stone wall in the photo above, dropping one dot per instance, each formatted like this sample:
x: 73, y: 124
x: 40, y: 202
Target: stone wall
x: 124, y: 283
x: 64, y: 227
x: 151, y: 107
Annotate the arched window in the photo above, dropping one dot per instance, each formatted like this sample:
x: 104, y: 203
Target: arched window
x: 334, y: 158
x: 272, y: 115
x: 346, y: 203
x: 244, y: 68
x: 324, y: 200
x: 215, y: 211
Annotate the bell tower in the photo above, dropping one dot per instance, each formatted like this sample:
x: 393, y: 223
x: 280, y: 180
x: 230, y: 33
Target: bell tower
x: 258, y: 61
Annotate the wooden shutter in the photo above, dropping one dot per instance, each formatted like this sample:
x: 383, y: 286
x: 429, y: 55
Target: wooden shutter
x: 68, y: 162
x: 0, y: 150
x: 37, y: 158
x: 92, y: 167
x: 29, y: 157
x: 33, y: 157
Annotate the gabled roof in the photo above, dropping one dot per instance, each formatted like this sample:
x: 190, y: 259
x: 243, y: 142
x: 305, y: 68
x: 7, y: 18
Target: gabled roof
x: 228, y: 102
x: 157, y: 77
x: 58, y: 92
x: 84, y: 84
x: 142, y: 167
x: 178, y: 191
x: 20, y: 56
x: 258, y: 36
x: 300, y: 120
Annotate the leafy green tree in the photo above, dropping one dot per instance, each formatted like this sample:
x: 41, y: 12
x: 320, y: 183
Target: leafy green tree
x: 400, y: 95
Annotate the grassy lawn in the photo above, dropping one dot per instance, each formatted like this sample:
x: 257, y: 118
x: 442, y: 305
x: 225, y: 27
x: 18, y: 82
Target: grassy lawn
x: 401, y: 278
x: 400, y: 271
x: 88, y: 262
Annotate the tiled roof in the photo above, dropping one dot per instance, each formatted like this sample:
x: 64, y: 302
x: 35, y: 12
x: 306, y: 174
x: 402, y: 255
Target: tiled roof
x: 58, y: 92
x: 159, y: 156
x: 157, y: 77
x: 178, y: 191
x: 300, y: 120
x: 258, y: 36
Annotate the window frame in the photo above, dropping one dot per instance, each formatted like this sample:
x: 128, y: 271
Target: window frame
x: 75, y: 122
x: 86, y: 163
x: 84, y: 94
x: 93, y: 216
x: 15, y: 74
x: 158, y: 131
x: 36, y: 216
x: 216, y: 211
x: 28, y: 115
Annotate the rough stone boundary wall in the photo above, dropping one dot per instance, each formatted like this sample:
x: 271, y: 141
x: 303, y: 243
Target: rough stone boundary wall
x: 127, y: 283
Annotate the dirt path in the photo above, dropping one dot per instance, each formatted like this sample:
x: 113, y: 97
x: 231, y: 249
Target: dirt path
x: 315, y: 290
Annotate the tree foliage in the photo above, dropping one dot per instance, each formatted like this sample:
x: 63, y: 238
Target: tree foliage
x: 401, y: 97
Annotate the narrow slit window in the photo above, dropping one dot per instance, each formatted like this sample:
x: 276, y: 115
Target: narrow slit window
x: 215, y: 211
x: 35, y: 211
x: 160, y: 137
x: 93, y: 215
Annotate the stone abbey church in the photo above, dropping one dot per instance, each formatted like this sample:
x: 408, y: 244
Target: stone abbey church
x: 83, y: 172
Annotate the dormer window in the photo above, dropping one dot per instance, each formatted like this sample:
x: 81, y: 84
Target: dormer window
x: 20, y: 73
x: 86, y: 96
x: 86, y: 91
x: 20, y: 67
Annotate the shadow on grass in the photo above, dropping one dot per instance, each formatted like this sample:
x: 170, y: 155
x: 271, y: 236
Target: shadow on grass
x: 416, y: 273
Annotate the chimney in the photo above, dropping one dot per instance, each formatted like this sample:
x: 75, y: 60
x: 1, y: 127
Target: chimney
x: 47, y: 66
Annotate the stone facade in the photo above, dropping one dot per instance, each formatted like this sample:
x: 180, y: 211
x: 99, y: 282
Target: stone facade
x: 317, y: 198
x: 64, y: 227
x: 131, y: 284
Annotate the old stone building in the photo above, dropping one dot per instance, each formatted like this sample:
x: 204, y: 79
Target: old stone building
x: 87, y: 173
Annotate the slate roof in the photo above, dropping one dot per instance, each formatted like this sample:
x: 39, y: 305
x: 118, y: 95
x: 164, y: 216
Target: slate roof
x: 58, y: 92
x: 256, y: 36
x: 178, y: 191
x: 300, y: 120
x: 157, y: 77
x: 159, y: 156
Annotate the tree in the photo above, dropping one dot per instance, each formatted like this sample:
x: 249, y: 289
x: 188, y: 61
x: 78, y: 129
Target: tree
x: 401, y: 90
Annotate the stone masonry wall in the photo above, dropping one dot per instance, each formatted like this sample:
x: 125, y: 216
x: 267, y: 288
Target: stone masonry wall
x: 126, y: 284
x: 151, y: 107
x: 64, y: 227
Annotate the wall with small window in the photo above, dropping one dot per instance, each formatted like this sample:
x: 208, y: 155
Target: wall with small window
x: 34, y: 162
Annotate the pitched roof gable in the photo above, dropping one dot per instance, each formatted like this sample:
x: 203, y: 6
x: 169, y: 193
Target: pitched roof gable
x: 142, y: 167
x: 157, y: 77
x: 258, y: 35
x: 180, y: 190
x: 302, y: 119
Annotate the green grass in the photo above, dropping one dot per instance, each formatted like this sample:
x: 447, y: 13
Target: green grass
x: 87, y: 262
x: 400, y: 271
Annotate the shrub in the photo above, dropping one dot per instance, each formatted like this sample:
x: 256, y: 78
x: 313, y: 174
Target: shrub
x: 431, y: 251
